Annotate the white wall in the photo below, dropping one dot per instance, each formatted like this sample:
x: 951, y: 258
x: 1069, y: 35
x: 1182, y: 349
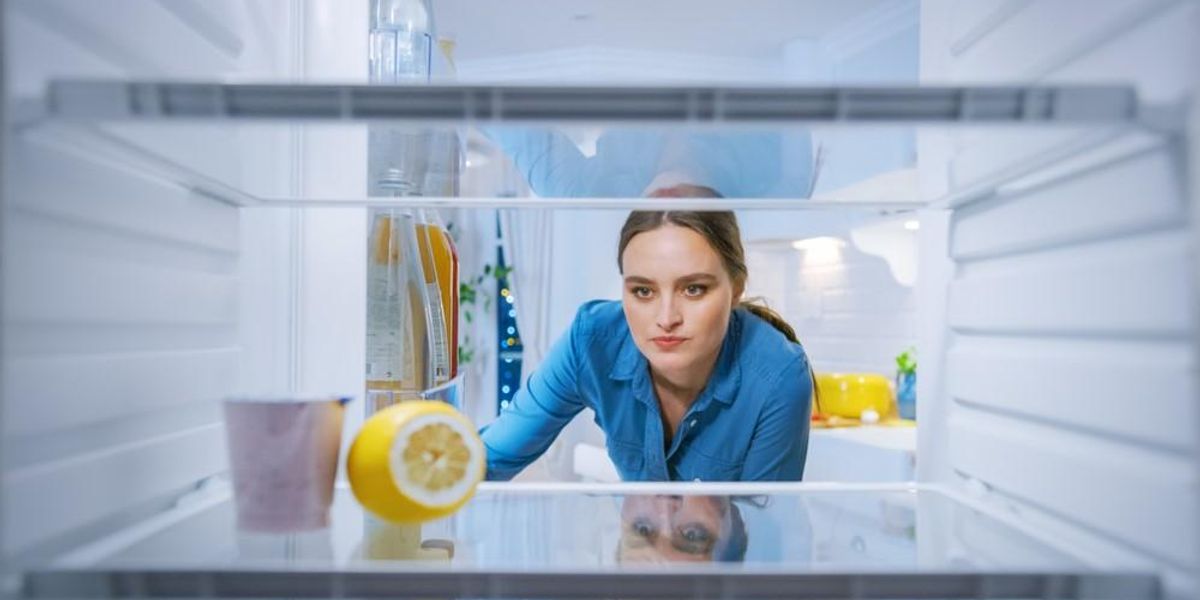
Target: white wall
x: 847, y: 307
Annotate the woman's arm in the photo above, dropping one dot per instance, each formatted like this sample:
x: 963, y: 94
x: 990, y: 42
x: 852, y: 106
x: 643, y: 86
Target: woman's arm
x: 551, y: 163
x: 780, y: 442
x: 538, y: 411
x: 555, y: 167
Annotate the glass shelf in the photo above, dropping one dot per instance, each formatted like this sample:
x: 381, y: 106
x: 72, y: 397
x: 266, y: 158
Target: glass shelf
x: 554, y: 105
x: 636, y: 541
x: 581, y: 146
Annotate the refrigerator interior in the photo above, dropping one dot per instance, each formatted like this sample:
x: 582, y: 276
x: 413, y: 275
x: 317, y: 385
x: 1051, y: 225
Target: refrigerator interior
x: 167, y: 245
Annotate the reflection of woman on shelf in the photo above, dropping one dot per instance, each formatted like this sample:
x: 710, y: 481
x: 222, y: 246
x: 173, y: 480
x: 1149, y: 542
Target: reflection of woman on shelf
x: 656, y: 529
x: 629, y: 163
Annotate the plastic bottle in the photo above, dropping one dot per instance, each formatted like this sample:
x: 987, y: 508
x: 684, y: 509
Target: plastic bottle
x: 401, y: 40
x: 439, y: 259
x: 400, y: 50
x: 398, y: 361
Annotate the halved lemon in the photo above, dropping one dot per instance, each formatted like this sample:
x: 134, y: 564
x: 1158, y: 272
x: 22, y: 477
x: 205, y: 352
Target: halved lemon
x: 415, y: 461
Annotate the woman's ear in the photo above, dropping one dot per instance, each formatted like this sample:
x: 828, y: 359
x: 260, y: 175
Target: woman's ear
x: 738, y: 290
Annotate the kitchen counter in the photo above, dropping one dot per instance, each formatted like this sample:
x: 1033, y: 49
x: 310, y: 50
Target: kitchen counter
x: 862, y: 454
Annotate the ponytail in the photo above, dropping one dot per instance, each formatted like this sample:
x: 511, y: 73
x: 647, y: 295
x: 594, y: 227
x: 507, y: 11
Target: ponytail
x: 758, y: 307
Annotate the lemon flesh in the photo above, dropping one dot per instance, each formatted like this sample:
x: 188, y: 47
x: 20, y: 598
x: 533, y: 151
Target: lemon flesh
x: 415, y: 461
x: 436, y: 457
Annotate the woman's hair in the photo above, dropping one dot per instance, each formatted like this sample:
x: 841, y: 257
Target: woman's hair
x: 732, y: 546
x: 720, y: 230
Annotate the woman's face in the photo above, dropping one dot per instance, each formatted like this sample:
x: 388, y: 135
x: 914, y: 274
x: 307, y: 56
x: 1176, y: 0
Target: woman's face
x: 671, y: 528
x: 677, y: 298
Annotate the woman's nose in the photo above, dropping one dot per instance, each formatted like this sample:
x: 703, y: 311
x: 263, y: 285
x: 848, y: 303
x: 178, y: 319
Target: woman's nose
x: 668, y: 317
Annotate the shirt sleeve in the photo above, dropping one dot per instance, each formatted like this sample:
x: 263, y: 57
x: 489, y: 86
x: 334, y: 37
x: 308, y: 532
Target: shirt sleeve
x: 736, y: 165
x: 550, y: 162
x: 621, y: 166
x: 538, y: 411
x: 780, y: 441
x: 626, y: 161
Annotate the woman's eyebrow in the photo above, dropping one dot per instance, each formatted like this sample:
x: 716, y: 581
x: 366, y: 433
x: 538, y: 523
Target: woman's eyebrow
x: 691, y: 277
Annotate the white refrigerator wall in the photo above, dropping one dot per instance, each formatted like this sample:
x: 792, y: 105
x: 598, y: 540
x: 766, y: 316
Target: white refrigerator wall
x: 329, y: 261
x: 1066, y: 387
x: 123, y: 292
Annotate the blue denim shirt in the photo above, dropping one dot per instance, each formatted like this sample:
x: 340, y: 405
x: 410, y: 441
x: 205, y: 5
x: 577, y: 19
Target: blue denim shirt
x: 749, y: 423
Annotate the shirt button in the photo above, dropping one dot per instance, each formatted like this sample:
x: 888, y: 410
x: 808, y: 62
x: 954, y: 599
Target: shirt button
x: 692, y: 423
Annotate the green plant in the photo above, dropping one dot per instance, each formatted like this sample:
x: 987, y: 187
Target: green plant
x: 472, y: 297
x: 906, y: 362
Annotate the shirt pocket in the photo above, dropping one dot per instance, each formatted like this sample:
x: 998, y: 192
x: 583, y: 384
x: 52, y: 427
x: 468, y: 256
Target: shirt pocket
x: 695, y: 465
x: 630, y: 460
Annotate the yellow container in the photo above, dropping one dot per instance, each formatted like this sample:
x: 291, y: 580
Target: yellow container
x: 849, y: 394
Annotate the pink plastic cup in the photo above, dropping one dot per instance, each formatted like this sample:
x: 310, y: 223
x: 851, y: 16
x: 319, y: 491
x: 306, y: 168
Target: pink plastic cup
x: 283, y: 455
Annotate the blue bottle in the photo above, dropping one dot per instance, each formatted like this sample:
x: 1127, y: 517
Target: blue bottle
x: 906, y: 384
x: 906, y: 394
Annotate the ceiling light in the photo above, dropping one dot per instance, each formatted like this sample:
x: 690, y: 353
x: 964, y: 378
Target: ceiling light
x: 818, y: 243
x: 819, y: 251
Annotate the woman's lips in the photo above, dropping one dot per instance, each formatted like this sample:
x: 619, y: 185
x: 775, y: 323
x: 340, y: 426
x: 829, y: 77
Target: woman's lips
x: 667, y: 342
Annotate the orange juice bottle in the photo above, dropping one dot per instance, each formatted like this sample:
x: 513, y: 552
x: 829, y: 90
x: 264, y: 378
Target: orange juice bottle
x: 397, y: 345
x: 454, y: 282
x: 440, y: 264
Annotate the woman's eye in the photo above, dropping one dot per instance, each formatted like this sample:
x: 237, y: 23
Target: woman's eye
x: 695, y: 534
x: 694, y: 290
x: 643, y: 528
x: 693, y: 539
x: 642, y: 292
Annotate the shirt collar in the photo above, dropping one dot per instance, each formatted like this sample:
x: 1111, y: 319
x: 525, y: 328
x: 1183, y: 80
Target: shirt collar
x: 631, y: 365
x: 629, y: 358
x: 727, y: 373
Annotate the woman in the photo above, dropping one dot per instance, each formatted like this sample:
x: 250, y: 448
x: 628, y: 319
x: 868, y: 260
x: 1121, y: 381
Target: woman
x: 687, y: 381
x: 687, y: 528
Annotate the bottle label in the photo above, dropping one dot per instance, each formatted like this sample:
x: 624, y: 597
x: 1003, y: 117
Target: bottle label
x: 389, y: 328
x: 438, y: 335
